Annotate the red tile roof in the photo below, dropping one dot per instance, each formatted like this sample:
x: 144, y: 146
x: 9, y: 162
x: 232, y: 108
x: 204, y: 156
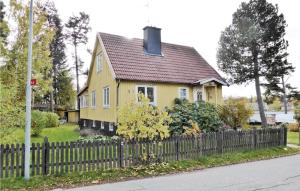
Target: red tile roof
x: 178, y: 64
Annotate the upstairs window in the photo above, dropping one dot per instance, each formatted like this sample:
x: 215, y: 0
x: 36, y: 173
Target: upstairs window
x: 99, y: 62
x: 93, y: 99
x: 106, y: 97
x: 183, y: 93
x: 149, y: 92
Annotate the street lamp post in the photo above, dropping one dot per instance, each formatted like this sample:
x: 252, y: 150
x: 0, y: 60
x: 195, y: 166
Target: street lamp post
x: 28, y: 99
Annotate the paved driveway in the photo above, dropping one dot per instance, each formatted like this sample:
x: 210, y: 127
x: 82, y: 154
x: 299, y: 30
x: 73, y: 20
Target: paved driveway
x: 281, y: 174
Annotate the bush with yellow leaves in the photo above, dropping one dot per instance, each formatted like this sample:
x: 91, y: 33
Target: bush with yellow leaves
x: 140, y: 120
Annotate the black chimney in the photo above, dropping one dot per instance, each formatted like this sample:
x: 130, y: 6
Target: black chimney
x: 152, y: 40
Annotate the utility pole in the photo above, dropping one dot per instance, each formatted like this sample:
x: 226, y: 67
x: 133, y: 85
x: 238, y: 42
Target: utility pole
x: 28, y: 99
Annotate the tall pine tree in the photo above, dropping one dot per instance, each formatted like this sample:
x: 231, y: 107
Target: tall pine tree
x: 62, y: 95
x: 253, y: 46
x: 78, y: 27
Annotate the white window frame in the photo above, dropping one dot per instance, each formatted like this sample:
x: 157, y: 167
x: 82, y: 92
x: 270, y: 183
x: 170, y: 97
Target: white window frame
x: 81, y: 101
x: 154, y: 103
x: 93, y: 99
x: 187, y: 93
x: 99, y: 62
x: 86, y: 101
x: 102, y: 125
x: 94, y: 123
x: 106, y: 97
x: 111, y: 127
x: 84, y: 123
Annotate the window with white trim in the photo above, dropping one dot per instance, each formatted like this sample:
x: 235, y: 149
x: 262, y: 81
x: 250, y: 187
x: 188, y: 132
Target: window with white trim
x: 86, y: 101
x: 102, y: 125
x: 111, y: 127
x: 183, y: 93
x: 99, y: 62
x: 149, y: 92
x: 199, y: 96
x: 84, y: 123
x: 106, y: 97
x: 94, y: 123
x: 93, y: 104
x: 83, y: 101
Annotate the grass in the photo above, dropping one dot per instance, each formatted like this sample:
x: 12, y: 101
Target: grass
x: 98, y: 177
x: 293, y: 138
x: 65, y: 132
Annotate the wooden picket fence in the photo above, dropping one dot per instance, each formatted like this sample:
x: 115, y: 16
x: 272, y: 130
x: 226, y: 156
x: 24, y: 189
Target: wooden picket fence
x: 66, y: 157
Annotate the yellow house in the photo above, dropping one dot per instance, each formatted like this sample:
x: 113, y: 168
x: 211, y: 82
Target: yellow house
x: 122, y: 67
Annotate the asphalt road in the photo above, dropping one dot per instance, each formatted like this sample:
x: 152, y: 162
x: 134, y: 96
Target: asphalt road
x: 281, y: 174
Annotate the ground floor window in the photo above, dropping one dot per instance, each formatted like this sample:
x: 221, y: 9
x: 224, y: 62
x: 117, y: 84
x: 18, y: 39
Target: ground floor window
x: 149, y: 92
x: 111, y: 127
x: 106, y: 97
x: 183, y: 93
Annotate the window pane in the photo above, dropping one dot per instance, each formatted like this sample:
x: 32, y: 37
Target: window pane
x: 107, y: 96
x: 199, y: 96
x: 183, y: 93
x: 141, y: 90
x: 150, y: 94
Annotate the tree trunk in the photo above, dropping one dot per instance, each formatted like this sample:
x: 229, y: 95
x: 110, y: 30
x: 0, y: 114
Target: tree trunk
x: 284, y: 95
x: 77, y: 76
x: 51, y: 94
x: 51, y: 102
x: 260, y: 102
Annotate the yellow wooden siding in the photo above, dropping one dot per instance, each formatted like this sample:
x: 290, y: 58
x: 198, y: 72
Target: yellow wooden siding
x: 214, y: 94
x: 73, y: 116
x: 97, y: 82
x: 165, y: 93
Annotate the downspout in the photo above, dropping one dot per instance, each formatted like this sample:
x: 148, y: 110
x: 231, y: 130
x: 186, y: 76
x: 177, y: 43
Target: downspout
x: 117, y: 104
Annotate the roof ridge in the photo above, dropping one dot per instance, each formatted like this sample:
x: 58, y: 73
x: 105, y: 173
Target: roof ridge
x: 167, y: 43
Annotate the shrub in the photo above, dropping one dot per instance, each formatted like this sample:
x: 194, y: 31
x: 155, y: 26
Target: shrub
x: 52, y: 119
x: 38, y: 122
x: 235, y: 113
x: 297, y: 113
x: 142, y: 121
x: 87, y: 132
x: 184, y: 114
x: 293, y: 127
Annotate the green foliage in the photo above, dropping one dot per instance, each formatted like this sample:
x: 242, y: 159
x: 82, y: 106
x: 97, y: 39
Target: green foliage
x: 52, y: 119
x: 183, y: 114
x: 11, y: 113
x: 38, y: 122
x: 235, y: 112
x: 142, y: 121
x: 276, y: 105
x: 15, y: 67
x: 297, y: 113
x: 253, y: 47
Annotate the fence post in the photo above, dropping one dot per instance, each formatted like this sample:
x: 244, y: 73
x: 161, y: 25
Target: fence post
x: 121, y: 153
x: 285, y: 136
x: 45, y: 156
x: 177, y: 147
x: 220, y: 135
x: 254, y: 138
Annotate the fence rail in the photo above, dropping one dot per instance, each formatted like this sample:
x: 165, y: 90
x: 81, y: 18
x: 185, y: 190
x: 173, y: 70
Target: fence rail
x: 64, y: 157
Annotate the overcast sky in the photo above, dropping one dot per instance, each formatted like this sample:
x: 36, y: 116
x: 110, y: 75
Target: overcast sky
x: 196, y: 23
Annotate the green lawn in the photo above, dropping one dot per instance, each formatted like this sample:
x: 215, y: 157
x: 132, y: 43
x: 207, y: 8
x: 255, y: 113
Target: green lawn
x: 113, y: 175
x: 66, y: 132
x: 293, y: 138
